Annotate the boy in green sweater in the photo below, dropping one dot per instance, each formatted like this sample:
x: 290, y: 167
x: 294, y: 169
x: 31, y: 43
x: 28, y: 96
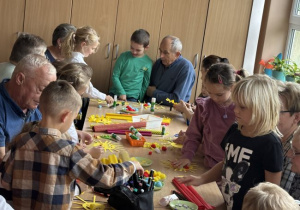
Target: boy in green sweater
x: 132, y: 70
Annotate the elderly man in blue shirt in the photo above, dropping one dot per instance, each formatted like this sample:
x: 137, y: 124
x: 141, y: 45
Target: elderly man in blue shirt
x: 172, y: 75
x: 20, y: 95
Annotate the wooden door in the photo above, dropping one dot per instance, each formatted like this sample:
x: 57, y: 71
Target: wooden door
x: 11, y: 22
x: 138, y: 14
x: 101, y: 15
x: 226, y: 30
x: 186, y: 20
x: 42, y: 17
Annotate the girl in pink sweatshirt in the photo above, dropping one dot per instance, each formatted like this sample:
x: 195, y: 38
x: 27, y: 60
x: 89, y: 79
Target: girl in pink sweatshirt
x: 213, y: 116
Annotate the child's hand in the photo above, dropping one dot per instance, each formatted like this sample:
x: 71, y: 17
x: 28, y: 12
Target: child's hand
x: 122, y: 97
x: 180, y: 107
x: 109, y: 99
x: 85, y: 137
x: 139, y: 168
x: 180, y: 139
x: 190, y: 180
x: 95, y: 152
x: 181, y: 163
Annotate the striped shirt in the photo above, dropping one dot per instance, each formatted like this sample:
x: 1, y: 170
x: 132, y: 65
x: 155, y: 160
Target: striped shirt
x: 41, y: 170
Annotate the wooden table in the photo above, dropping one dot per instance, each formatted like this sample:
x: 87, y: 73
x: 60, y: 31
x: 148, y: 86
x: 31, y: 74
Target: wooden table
x: 209, y: 192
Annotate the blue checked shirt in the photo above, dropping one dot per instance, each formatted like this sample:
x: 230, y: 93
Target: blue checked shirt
x: 42, y: 167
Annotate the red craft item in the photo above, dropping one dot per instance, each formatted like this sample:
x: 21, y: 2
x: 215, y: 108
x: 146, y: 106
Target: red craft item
x: 186, y: 167
x: 191, y: 196
x: 146, y: 174
x: 150, y: 153
x: 120, y: 126
x: 207, y: 206
x: 153, y: 146
x: 164, y: 148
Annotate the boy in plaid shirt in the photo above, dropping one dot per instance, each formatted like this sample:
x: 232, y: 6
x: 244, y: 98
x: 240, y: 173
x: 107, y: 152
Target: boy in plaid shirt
x: 41, y: 167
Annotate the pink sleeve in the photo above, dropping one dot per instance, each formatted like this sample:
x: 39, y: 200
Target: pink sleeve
x: 195, y: 130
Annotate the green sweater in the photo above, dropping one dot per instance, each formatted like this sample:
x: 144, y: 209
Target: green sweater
x: 131, y: 76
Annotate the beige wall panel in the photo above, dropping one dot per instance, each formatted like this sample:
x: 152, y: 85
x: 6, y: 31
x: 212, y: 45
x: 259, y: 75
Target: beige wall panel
x: 11, y: 22
x: 147, y: 16
x: 226, y: 30
x: 42, y: 17
x: 101, y: 15
x: 186, y: 20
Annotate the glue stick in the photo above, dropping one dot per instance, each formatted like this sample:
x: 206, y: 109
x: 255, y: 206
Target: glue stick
x: 116, y: 137
x: 153, y: 100
x: 135, y: 132
x: 115, y: 100
x: 163, y: 130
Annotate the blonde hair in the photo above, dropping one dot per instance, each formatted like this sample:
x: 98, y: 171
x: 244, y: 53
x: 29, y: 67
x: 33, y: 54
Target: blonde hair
x: 259, y: 93
x: 84, y: 34
x: 77, y: 74
x: 57, y: 96
x: 268, y: 196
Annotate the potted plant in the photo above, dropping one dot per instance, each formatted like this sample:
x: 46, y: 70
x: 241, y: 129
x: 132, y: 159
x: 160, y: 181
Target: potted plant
x: 280, y: 66
x: 292, y: 71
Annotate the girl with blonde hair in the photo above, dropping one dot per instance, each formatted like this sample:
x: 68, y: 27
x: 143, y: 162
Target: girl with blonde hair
x: 253, y: 151
x: 80, y: 44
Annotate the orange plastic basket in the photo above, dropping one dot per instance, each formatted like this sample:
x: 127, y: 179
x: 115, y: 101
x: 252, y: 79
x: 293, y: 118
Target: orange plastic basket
x: 134, y: 142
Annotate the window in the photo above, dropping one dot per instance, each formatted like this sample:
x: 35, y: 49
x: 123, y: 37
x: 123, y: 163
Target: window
x: 293, y: 45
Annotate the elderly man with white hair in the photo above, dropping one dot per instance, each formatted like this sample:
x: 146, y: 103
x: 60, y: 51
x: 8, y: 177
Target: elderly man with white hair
x: 172, y: 75
x: 20, y: 95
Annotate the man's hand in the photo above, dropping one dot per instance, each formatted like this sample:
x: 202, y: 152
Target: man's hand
x: 150, y: 91
x: 122, y: 97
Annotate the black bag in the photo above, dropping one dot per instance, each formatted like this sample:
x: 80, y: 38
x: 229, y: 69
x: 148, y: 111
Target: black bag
x: 122, y: 198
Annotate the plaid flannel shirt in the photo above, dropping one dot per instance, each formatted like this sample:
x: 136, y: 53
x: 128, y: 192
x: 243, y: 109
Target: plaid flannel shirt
x: 41, y: 170
x: 287, y: 175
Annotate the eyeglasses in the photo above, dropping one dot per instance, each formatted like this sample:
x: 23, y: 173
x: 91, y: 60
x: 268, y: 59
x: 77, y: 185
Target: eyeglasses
x: 286, y: 111
x: 294, y: 153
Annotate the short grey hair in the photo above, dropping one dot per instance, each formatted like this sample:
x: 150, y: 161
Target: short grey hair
x: 176, y: 45
x: 30, y: 63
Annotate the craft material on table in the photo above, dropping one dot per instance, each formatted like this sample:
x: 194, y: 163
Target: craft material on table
x: 171, y: 101
x: 113, y: 159
x: 143, y: 161
x: 89, y: 205
x: 130, y: 109
x: 107, y: 145
x: 120, y: 126
x: 156, y: 177
x: 156, y: 132
x: 153, y: 122
x: 144, y: 133
x: 168, y: 164
x: 183, y: 205
x: 100, y: 119
x: 192, y: 195
x: 135, y: 142
x: 127, y: 117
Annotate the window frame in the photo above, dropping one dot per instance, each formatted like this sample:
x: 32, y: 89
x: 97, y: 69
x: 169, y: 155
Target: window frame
x: 294, y: 24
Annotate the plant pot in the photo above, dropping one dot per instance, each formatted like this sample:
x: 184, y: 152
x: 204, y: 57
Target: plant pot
x: 268, y: 72
x: 290, y: 78
x: 279, y: 75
